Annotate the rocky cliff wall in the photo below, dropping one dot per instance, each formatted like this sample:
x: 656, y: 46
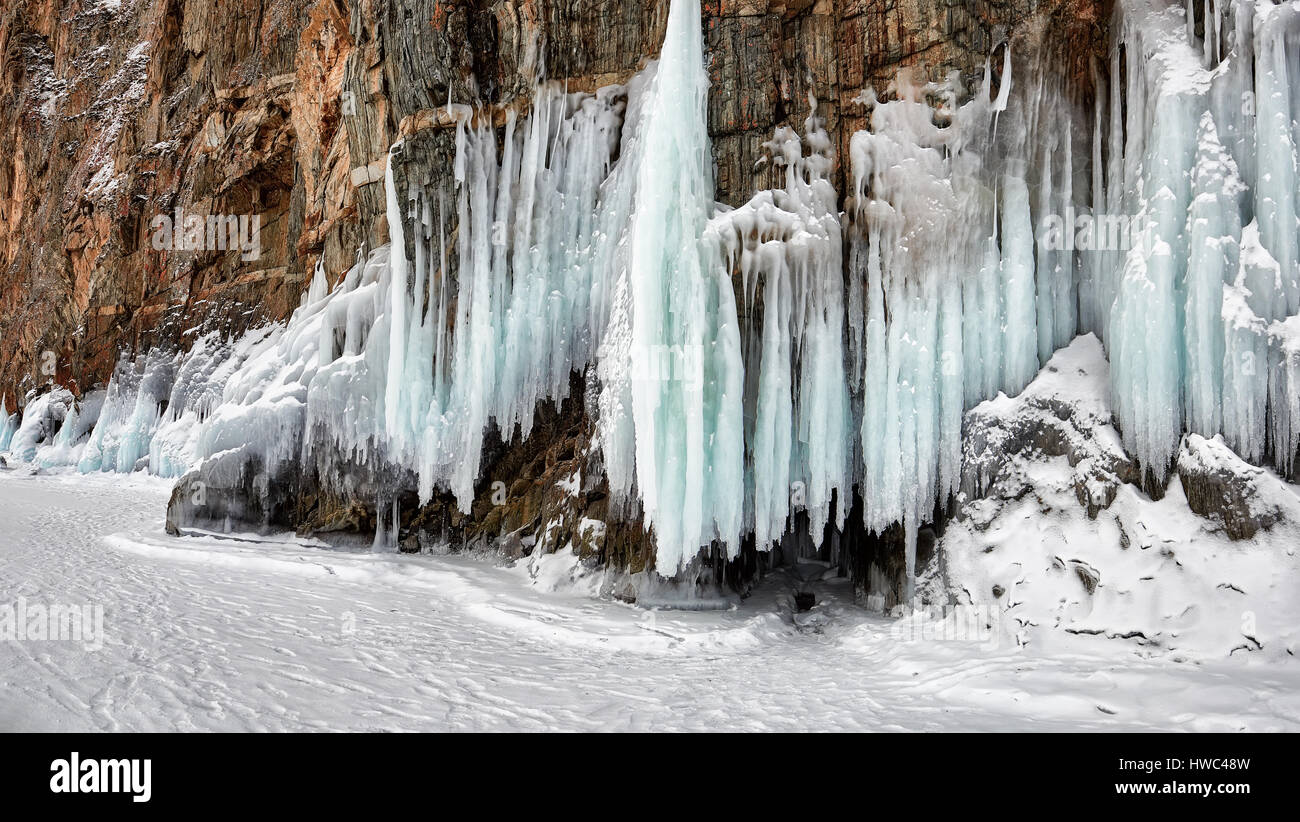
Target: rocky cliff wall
x: 114, y: 113
x: 121, y: 114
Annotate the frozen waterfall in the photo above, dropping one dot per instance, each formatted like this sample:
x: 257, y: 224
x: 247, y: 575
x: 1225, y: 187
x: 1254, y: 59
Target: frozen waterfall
x: 812, y: 346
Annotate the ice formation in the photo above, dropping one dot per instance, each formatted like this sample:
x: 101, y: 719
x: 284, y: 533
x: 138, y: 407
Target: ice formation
x: 8, y: 424
x: 785, y: 357
x: 686, y: 424
x: 136, y: 398
x: 42, y: 418
x: 951, y: 300
x: 196, y: 392
x: 786, y: 246
x: 1205, y: 161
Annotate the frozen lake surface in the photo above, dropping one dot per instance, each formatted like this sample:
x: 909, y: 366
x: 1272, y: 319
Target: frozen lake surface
x: 256, y: 633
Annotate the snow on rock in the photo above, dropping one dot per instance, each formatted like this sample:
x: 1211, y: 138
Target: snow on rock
x: 1220, y: 485
x: 1064, y: 412
x: 1054, y: 535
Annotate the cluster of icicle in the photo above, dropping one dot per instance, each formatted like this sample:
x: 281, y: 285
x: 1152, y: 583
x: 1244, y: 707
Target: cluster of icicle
x: 785, y: 245
x: 1200, y: 317
x: 147, y: 418
x: 737, y: 379
x: 950, y: 299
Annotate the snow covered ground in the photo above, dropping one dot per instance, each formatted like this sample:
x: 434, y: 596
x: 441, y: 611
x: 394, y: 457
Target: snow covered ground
x: 229, y: 634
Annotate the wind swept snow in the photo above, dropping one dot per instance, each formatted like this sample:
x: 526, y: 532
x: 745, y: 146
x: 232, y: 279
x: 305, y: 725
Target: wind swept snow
x: 254, y: 633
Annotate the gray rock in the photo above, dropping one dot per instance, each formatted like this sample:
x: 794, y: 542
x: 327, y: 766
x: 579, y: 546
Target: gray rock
x: 1224, y: 488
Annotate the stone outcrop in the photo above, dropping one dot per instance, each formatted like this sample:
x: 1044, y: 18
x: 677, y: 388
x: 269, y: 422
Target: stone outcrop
x: 1222, y: 487
x: 113, y: 114
x: 1064, y: 412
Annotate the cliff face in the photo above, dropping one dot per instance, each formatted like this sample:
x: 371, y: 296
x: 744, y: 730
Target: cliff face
x: 121, y: 116
x: 115, y: 113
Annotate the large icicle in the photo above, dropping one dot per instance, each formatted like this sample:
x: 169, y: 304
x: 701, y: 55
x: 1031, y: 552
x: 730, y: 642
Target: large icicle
x: 688, y: 425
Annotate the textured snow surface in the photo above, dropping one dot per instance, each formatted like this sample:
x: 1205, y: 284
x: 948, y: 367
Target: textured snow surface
x: 1149, y: 571
x: 220, y: 634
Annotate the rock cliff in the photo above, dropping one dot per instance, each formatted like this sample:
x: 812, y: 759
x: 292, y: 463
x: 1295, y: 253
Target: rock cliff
x: 121, y: 118
x: 114, y: 113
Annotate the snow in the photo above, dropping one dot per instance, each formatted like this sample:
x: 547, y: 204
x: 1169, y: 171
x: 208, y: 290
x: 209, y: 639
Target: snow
x: 244, y: 632
x: 1175, y: 587
x: 1075, y: 378
x: 1150, y: 571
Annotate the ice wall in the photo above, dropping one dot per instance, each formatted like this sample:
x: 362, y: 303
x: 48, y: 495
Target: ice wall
x: 1202, y: 157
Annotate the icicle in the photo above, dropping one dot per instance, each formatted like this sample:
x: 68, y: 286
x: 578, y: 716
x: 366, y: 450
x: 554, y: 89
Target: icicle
x: 8, y: 425
x: 1021, y: 359
x: 688, y: 432
x: 1213, y: 224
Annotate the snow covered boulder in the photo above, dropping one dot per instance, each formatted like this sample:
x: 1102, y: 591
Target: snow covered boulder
x: 1223, y: 487
x: 1165, y: 574
x: 229, y: 490
x: 1064, y: 412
